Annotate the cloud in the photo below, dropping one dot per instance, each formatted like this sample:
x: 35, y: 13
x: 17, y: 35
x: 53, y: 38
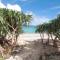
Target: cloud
x: 23, y: 0
x: 56, y: 7
x: 15, y: 7
x: 51, y: 8
x: 39, y: 20
x: 36, y: 19
x: 29, y: 13
x: 2, y: 5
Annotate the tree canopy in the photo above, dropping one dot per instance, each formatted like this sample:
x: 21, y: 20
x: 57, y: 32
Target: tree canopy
x: 12, y: 21
x: 52, y: 27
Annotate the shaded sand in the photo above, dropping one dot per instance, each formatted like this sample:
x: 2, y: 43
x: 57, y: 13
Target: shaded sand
x: 33, y: 51
x: 31, y: 48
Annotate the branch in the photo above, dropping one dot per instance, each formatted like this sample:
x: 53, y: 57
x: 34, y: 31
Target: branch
x: 10, y: 26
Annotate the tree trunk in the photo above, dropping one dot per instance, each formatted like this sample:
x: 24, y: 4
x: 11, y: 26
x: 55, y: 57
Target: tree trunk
x: 41, y: 37
x: 54, y: 42
x: 14, y: 38
x: 51, y: 37
x: 48, y: 38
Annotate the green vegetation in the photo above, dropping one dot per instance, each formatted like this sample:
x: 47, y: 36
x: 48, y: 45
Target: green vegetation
x: 51, y: 28
x: 11, y: 22
x: 1, y: 58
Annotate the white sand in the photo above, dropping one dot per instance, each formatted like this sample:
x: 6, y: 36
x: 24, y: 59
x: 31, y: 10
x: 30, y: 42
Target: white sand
x: 22, y: 38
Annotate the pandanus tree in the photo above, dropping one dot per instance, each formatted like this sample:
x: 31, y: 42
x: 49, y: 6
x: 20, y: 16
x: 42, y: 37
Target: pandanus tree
x: 44, y: 28
x: 51, y: 28
x: 56, y: 27
x: 41, y: 30
x: 11, y: 22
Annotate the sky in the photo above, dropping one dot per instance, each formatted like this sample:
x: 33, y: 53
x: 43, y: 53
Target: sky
x: 41, y: 10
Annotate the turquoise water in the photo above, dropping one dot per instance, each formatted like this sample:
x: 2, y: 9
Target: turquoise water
x: 29, y: 29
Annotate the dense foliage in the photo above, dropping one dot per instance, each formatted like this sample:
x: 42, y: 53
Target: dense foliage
x: 12, y: 22
x: 52, y: 27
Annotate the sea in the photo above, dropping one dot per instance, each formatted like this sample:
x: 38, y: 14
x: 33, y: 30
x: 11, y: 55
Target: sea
x: 29, y: 29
